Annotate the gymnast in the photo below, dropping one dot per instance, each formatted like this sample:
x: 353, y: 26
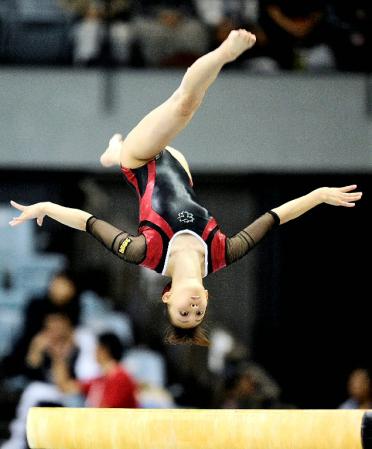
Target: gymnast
x: 177, y: 236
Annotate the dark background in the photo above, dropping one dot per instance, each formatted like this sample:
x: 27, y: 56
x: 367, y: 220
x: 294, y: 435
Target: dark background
x: 300, y: 301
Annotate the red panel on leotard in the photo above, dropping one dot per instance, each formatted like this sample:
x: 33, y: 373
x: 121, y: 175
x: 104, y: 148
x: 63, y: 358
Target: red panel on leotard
x: 131, y: 178
x: 218, y: 251
x: 212, y: 223
x: 154, y: 248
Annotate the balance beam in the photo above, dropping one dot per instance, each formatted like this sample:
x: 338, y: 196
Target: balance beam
x: 88, y: 428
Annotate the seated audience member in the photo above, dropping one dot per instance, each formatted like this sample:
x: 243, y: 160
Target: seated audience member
x: 58, y: 340
x: 297, y: 33
x: 169, y: 35
x: 251, y: 388
x: 238, y: 381
x: 114, y: 388
x: 150, y: 7
x: 214, y: 11
x: 359, y: 390
x: 351, y: 36
x: 62, y: 297
x: 223, y: 16
x: 102, y: 32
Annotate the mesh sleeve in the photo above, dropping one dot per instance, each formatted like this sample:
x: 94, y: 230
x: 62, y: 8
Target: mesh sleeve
x: 241, y: 243
x: 130, y: 248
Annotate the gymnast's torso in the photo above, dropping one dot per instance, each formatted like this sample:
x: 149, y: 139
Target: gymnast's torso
x: 168, y: 208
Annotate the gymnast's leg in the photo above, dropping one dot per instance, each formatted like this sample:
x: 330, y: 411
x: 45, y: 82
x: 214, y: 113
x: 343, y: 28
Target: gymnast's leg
x: 161, y: 125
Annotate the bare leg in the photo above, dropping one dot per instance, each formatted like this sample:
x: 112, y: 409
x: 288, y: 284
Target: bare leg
x: 161, y: 125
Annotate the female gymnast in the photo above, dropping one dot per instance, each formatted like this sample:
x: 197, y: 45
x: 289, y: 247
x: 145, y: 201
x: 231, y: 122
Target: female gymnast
x: 177, y: 236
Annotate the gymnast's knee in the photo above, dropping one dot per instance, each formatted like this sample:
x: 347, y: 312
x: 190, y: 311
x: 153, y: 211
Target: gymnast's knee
x: 186, y: 103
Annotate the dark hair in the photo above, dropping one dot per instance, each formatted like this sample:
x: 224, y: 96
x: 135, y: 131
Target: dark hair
x: 185, y: 336
x: 190, y: 336
x: 166, y: 288
x: 112, y: 343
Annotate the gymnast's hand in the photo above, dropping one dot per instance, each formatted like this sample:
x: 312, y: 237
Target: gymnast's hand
x: 34, y: 211
x: 340, y: 196
x: 335, y: 196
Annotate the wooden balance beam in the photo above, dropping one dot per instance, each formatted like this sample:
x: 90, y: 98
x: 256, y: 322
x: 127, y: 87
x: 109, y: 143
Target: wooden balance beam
x: 88, y: 428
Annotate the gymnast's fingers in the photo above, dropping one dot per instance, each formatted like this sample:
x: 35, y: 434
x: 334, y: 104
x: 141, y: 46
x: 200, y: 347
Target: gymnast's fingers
x: 348, y: 188
x: 16, y: 221
x: 355, y: 196
x: 17, y: 205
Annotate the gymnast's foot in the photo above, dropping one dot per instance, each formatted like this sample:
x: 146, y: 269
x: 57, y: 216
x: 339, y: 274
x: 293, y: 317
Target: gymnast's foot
x: 111, y: 156
x: 237, y: 42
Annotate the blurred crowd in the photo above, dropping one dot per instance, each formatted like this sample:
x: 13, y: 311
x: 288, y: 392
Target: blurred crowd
x: 74, y: 349
x: 307, y: 35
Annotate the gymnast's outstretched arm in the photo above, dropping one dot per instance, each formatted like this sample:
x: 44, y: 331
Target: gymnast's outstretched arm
x: 160, y: 126
x: 131, y: 248
x: 334, y: 196
x: 74, y: 218
x: 240, y: 244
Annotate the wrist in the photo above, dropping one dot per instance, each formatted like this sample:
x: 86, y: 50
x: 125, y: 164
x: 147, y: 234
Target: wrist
x: 45, y: 207
x: 319, y: 195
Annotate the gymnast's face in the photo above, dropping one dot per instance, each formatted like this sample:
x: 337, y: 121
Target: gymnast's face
x: 187, y: 304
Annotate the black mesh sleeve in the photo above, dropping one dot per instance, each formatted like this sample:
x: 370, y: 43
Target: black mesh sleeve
x: 241, y: 243
x: 128, y: 247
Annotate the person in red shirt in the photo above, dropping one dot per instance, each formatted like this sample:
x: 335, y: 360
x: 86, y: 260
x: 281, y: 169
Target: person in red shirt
x: 115, y: 388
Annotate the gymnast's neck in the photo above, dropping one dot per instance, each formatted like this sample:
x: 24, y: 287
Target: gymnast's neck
x: 187, y: 264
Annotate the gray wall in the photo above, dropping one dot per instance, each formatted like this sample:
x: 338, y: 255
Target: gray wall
x: 58, y: 118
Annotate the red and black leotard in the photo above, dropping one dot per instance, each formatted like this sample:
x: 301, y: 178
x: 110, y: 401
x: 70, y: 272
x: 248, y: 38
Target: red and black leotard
x: 167, y: 207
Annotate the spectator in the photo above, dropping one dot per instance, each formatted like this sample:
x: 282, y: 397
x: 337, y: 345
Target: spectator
x: 62, y: 297
x: 114, y: 388
x: 238, y: 381
x: 102, y: 33
x: 214, y: 11
x: 169, y: 35
x: 350, y: 24
x: 251, y: 387
x: 151, y: 7
x: 223, y: 16
x: 58, y: 340
x: 359, y: 390
x: 297, y: 33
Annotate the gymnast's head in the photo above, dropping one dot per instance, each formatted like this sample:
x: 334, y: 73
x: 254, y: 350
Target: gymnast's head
x: 186, y: 307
